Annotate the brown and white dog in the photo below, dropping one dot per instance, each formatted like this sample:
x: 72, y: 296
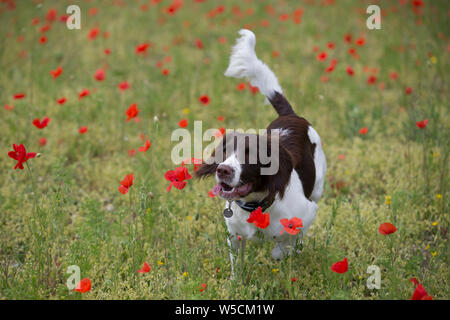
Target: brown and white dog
x: 297, y: 186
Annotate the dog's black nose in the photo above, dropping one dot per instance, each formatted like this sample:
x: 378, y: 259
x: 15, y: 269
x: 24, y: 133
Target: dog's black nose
x: 224, y: 171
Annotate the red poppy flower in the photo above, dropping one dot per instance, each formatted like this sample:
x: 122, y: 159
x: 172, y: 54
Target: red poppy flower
x: 61, y: 100
x: 107, y: 51
x: 35, y: 21
x: 145, y: 147
x: 222, y: 40
x: 283, y: 16
x: 142, y: 48
x: 211, y: 194
x: 204, y: 100
x: 51, y: 15
x: 18, y: 96
x: 57, y: 72
x: 41, y: 124
x: 293, y: 279
x: 124, y: 85
x: 387, y: 228
x: 340, y: 266
x: 332, y: 65
x: 83, y: 93
x: 83, y: 130
x: 350, y: 71
x: 42, y: 141
x: 408, y: 90
x: 126, y: 183
x: 177, y: 177
x: 414, y: 280
x: 145, y: 268
x: 260, y: 219
x: 84, y: 285
x: 93, y: 33
x: 93, y: 11
x: 21, y: 155
x: 132, y: 111
x: 195, y: 161
x: 363, y: 131
x: 393, y: 75
x: 45, y: 28
x: 420, y: 293
x: 199, y: 43
x: 422, y: 124
x: 165, y: 72
x: 220, y: 132
x: 253, y: 90
x: 330, y: 45
x: 220, y: 118
x: 291, y: 226
x: 183, y: 123
x: 371, y: 80
x: 360, y: 41
x: 352, y: 51
x: 348, y: 38
x: 43, y: 39
x: 8, y: 107
x: 99, y: 75
x: 203, y: 287
x: 275, y: 54
x: 322, y: 56
x: 241, y: 86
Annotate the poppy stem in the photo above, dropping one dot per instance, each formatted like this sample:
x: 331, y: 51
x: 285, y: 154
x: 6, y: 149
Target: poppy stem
x: 33, y: 187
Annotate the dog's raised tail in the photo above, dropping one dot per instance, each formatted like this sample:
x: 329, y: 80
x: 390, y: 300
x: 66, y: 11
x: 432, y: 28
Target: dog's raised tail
x: 245, y: 64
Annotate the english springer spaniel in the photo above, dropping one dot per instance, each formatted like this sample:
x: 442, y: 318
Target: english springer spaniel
x: 297, y: 186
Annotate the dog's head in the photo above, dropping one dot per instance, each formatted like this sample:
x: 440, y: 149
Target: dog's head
x: 245, y: 164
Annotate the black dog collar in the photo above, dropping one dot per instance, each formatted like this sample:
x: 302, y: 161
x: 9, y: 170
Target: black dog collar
x: 253, y: 205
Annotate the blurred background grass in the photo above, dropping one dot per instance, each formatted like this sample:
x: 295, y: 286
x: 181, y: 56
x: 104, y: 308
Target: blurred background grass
x: 82, y: 219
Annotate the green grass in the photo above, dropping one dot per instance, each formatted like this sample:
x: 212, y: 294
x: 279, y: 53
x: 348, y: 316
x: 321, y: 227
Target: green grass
x: 81, y: 219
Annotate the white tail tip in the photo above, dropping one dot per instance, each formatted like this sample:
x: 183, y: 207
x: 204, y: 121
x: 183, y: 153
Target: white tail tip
x: 245, y: 64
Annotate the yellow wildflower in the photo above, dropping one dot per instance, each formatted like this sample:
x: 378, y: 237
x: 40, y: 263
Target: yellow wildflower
x: 275, y: 270
x: 434, y: 253
x: 160, y: 262
x: 186, y: 110
x: 388, y: 200
x: 439, y: 196
x: 434, y: 224
x: 185, y: 274
x: 433, y: 60
x: 189, y: 218
x: 427, y: 247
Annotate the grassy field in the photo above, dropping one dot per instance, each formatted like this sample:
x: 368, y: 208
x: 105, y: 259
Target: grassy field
x: 64, y: 208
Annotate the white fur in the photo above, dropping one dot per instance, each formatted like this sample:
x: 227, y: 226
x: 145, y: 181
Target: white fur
x: 320, y: 163
x: 282, y: 132
x: 233, y: 162
x: 245, y: 64
x: 293, y: 204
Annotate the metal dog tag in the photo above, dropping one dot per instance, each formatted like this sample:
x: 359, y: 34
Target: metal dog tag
x: 228, y: 213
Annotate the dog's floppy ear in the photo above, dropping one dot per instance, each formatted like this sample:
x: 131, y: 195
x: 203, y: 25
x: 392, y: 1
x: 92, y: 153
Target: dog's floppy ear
x: 206, y: 170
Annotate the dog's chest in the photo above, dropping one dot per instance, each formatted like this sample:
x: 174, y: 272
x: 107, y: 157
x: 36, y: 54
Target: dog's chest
x: 293, y: 204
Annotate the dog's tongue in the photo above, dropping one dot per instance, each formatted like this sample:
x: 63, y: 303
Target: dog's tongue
x: 216, y: 189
